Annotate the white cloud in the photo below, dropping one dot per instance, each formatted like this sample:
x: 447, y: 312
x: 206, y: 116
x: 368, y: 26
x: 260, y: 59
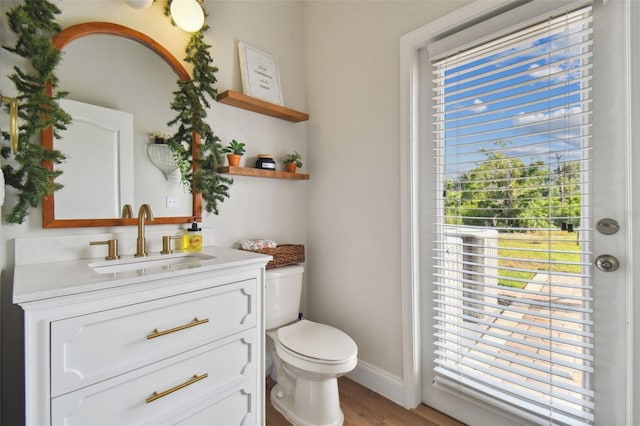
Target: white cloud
x: 561, y: 123
x: 556, y: 116
x: 538, y: 71
x: 558, y: 72
x: 480, y: 106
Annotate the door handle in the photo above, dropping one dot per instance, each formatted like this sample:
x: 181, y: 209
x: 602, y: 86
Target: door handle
x: 607, y: 263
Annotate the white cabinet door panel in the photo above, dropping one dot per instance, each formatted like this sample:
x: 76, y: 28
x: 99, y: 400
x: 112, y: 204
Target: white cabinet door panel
x: 124, y: 400
x: 91, y: 348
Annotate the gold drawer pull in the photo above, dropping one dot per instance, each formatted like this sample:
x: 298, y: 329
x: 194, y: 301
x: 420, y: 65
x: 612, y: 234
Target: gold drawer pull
x: 193, y: 323
x: 191, y: 381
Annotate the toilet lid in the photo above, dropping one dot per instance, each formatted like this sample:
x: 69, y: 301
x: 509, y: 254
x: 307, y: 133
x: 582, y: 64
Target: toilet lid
x: 317, y: 341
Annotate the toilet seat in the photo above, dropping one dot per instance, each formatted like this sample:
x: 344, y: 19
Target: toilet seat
x: 317, y: 342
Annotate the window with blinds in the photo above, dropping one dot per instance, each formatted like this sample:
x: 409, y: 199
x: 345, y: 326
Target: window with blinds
x: 512, y: 290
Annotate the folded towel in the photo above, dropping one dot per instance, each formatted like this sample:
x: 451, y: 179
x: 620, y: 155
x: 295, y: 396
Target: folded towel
x: 257, y: 244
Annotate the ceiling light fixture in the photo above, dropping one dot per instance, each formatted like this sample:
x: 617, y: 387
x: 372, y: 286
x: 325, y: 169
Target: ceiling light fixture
x: 139, y: 4
x: 187, y: 14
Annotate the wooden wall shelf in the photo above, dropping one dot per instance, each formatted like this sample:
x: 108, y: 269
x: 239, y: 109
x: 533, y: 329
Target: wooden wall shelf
x: 248, y: 171
x: 240, y: 100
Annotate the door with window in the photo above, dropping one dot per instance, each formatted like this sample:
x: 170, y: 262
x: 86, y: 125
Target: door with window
x: 527, y: 194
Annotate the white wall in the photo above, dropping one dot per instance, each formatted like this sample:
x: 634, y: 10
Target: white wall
x: 352, y: 58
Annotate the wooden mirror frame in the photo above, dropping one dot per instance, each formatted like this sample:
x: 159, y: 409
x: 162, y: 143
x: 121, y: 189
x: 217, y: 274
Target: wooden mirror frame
x: 65, y: 37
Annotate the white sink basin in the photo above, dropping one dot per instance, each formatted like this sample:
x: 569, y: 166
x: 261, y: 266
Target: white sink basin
x: 165, y: 262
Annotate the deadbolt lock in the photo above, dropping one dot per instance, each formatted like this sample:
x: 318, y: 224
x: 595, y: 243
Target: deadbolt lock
x: 607, y: 226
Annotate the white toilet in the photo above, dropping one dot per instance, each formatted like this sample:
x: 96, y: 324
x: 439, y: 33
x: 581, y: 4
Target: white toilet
x: 307, y: 357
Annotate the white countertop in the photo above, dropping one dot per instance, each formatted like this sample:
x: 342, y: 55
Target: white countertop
x: 34, y: 282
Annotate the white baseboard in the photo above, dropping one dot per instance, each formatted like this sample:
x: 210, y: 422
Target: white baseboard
x: 380, y: 381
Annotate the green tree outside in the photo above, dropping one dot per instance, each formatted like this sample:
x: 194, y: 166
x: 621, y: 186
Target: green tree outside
x: 504, y: 192
x: 521, y: 200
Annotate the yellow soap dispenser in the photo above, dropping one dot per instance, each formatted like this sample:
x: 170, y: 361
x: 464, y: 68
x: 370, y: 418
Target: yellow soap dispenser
x: 193, y: 238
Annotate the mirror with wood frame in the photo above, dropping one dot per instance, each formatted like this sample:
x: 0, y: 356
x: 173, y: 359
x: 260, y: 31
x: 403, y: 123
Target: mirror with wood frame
x: 93, y: 158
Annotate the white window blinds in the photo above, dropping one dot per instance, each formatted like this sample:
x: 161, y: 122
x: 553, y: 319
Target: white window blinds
x: 512, y: 291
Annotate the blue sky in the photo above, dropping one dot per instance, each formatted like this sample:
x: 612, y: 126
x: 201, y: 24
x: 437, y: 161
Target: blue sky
x: 530, y: 96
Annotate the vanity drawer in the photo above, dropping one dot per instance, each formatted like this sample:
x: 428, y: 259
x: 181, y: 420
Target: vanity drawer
x: 234, y: 407
x: 95, y: 347
x: 186, y: 386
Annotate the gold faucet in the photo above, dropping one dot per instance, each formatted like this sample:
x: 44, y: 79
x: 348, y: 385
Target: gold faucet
x: 127, y: 211
x: 144, y: 213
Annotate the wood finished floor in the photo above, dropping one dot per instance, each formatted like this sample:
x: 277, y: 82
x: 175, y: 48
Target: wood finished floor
x: 363, y: 407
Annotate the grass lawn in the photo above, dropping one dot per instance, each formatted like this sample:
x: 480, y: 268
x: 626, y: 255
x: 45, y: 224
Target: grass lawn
x: 534, y: 252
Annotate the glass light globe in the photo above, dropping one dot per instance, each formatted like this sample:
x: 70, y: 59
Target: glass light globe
x: 139, y: 4
x: 187, y: 14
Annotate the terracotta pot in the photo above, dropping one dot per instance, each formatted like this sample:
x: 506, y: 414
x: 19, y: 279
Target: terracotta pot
x: 234, y: 159
x: 291, y: 167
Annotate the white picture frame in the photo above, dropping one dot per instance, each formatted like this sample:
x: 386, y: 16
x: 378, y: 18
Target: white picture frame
x: 260, y: 75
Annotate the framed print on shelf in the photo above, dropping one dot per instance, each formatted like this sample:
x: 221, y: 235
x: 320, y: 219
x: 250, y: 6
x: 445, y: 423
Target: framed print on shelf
x: 260, y: 76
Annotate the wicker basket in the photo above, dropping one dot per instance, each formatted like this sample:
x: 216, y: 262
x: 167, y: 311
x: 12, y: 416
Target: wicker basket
x: 283, y: 255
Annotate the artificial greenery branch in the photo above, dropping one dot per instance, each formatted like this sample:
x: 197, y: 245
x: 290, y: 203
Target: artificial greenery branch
x: 34, y: 23
x: 191, y: 103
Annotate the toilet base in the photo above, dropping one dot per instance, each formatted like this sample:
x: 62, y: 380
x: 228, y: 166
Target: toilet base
x: 314, y: 403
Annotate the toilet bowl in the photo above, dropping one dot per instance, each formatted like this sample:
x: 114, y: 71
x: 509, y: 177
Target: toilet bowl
x: 308, y: 357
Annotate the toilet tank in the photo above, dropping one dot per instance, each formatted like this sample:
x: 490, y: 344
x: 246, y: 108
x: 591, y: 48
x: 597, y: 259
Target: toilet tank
x: 282, y: 295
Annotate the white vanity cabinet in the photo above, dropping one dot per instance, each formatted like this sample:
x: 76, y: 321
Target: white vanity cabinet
x: 181, y: 347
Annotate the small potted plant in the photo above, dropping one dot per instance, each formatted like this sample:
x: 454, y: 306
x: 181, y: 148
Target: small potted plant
x: 292, y: 161
x: 234, y: 151
x: 160, y: 138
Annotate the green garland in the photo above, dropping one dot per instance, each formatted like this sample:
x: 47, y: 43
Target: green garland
x: 190, y: 103
x: 34, y: 23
